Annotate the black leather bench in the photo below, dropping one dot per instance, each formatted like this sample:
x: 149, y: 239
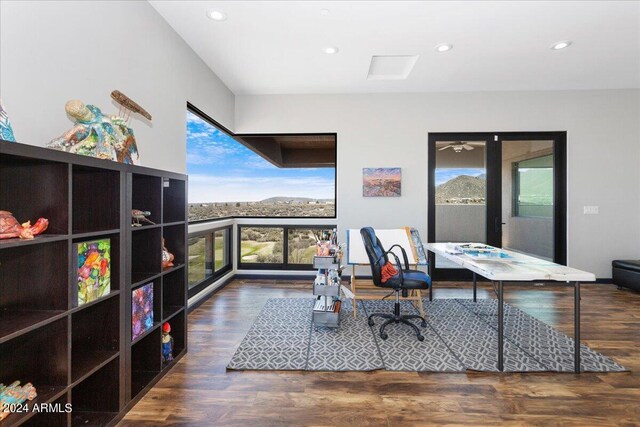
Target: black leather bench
x: 626, y: 273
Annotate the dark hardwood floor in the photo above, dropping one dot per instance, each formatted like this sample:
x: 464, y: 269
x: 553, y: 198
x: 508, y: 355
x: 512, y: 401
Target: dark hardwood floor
x: 199, y: 391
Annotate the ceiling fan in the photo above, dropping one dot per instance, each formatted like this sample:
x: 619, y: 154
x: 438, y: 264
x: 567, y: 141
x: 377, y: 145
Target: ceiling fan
x: 458, y: 146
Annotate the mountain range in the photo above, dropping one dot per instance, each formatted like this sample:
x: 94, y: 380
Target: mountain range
x: 462, y: 187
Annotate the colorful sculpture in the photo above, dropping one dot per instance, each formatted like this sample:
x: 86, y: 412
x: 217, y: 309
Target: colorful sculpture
x: 98, y: 135
x: 10, y: 227
x: 167, y: 257
x: 14, y: 394
x: 167, y: 343
x: 139, y: 216
x: 6, y: 131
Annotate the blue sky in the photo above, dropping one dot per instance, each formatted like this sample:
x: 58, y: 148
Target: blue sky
x: 223, y: 170
x: 445, y: 174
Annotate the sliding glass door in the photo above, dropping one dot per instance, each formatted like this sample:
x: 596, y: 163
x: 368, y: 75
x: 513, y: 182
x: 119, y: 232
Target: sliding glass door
x: 503, y: 189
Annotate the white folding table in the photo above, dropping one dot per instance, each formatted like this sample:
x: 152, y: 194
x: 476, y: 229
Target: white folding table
x: 504, y: 266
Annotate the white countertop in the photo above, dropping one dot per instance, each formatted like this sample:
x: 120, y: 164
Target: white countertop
x: 505, y: 265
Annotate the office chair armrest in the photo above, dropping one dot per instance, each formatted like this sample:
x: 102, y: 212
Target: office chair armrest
x: 399, y: 266
x: 404, y: 255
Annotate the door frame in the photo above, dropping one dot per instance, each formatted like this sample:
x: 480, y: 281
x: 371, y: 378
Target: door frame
x: 493, y: 162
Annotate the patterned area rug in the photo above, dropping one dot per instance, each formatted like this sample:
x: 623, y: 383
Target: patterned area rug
x: 461, y: 335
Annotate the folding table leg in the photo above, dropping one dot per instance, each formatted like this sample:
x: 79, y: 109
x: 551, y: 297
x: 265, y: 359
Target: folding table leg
x: 576, y: 326
x: 475, y: 285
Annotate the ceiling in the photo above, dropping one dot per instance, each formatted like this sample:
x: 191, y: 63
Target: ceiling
x: 294, y: 151
x: 276, y: 47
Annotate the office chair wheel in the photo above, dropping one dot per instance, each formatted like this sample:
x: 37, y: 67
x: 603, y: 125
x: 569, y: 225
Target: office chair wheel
x: 423, y: 323
x: 371, y: 322
x: 420, y: 338
x: 384, y: 335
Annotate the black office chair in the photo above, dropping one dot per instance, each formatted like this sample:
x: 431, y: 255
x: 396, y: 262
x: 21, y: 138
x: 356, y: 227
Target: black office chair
x: 404, y: 281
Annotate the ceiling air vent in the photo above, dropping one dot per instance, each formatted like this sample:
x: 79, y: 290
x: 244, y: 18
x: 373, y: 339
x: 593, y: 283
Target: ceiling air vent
x: 391, y: 67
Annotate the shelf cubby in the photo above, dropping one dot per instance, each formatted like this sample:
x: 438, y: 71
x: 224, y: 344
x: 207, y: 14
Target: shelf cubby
x: 38, y: 357
x: 95, y: 337
x: 173, y: 293
x: 95, y: 199
x: 178, y: 332
x: 33, y: 285
x: 146, y: 195
x: 58, y: 417
x: 96, y: 400
x: 146, y: 254
x: 174, y: 237
x: 31, y: 188
x: 174, y: 200
x: 146, y: 361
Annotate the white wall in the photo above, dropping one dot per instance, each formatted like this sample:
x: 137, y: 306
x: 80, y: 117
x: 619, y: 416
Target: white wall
x: 390, y: 130
x: 53, y: 51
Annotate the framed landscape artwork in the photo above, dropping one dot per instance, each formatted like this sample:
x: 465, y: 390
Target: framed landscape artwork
x: 381, y: 182
x: 93, y: 265
x: 141, y: 310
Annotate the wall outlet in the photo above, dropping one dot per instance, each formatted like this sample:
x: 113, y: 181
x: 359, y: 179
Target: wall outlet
x: 591, y: 210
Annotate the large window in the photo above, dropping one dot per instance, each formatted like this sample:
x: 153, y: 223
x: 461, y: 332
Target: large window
x: 258, y: 176
x: 533, y: 187
x: 265, y: 247
x: 209, y: 258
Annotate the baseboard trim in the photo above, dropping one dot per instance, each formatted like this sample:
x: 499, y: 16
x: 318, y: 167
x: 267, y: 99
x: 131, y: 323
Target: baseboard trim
x: 248, y: 276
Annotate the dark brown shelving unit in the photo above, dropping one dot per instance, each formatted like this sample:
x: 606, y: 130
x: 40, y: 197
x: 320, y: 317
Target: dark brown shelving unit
x: 83, y: 355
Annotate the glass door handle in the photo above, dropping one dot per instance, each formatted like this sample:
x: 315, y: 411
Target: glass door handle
x: 499, y: 225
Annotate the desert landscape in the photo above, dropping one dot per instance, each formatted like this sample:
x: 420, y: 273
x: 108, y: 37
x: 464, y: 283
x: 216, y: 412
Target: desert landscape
x: 272, y: 207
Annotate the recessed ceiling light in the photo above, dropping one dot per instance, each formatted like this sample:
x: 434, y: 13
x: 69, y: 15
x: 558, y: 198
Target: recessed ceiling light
x: 324, y: 12
x: 561, y: 45
x: 217, y: 15
x: 330, y: 50
x: 444, y: 47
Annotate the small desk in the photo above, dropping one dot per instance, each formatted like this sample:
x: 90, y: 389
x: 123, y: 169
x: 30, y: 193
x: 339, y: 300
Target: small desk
x: 504, y: 266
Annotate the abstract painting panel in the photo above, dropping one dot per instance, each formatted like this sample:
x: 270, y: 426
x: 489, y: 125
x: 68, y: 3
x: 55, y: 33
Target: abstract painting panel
x: 381, y: 182
x: 94, y: 269
x: 141, y: 310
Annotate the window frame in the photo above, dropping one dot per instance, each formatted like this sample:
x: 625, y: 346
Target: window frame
x: 193, y: 109
x: 200, y: 286
x: 515, y: 191
x: 285, y: 265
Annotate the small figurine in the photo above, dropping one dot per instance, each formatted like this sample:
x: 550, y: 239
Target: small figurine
x: 10, y: 227
x: 167, y: 343
x: 167, y: 257
x: 137, y: 215
x: 14, y: 394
